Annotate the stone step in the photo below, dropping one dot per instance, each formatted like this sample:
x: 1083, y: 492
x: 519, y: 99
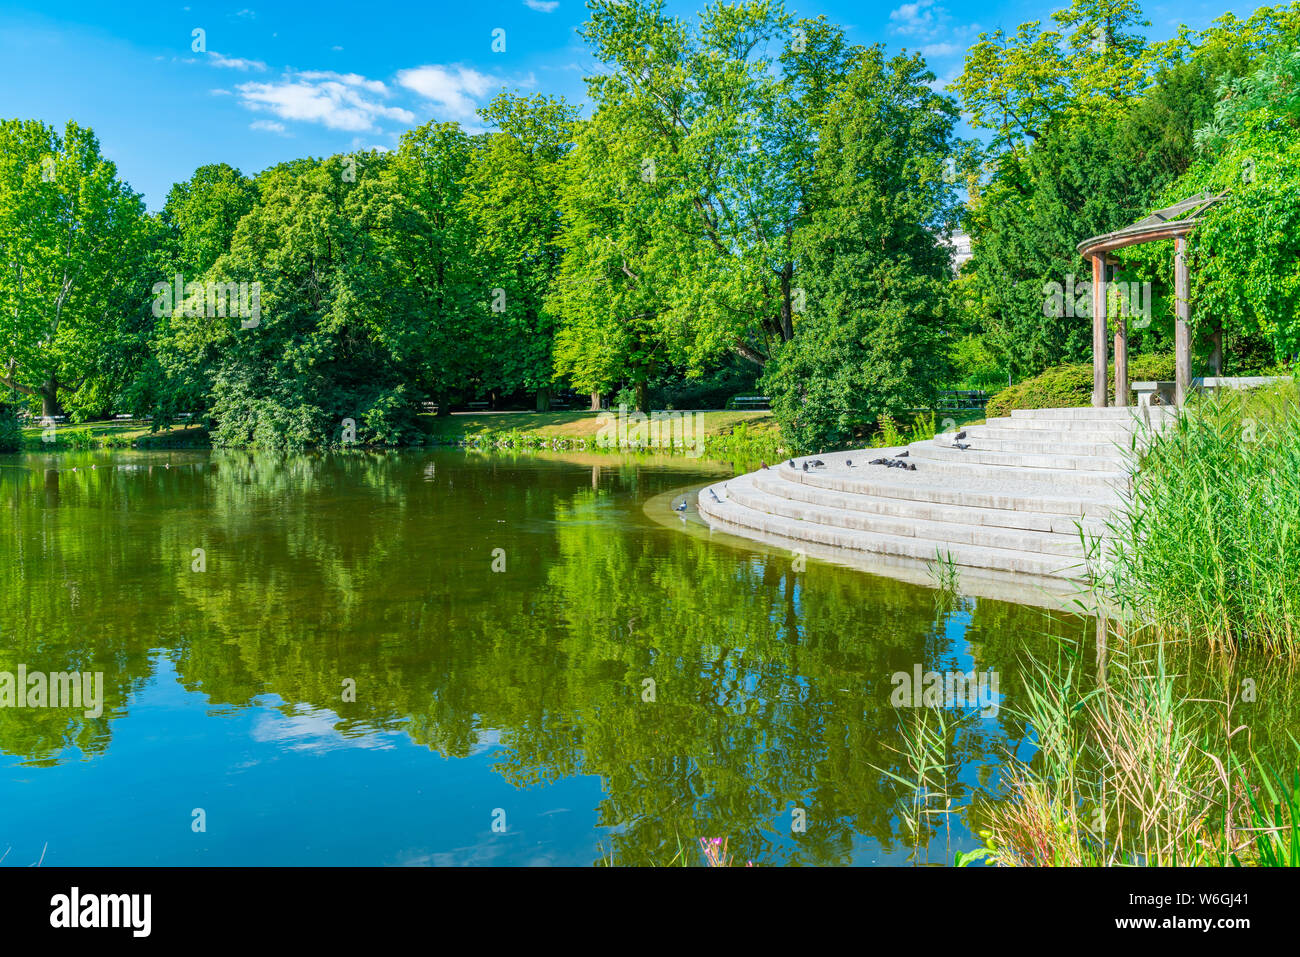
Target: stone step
x: 1010, y: 440
x: 1083, y: 427
x: 1078, y: 468
x: 1000, y: 493
x: 1088, y: 413
x: 1024, y: 515
x: 751, y: 495
x: 731, y: 513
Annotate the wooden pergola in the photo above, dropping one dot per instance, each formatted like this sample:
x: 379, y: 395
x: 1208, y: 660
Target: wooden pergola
x: 1174, y: 222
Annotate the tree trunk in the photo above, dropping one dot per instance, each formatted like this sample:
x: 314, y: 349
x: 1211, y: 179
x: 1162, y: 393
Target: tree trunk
x: 595, y: 400
x: 643, y: 397
x: 544, y: 399
x: 49, y: 393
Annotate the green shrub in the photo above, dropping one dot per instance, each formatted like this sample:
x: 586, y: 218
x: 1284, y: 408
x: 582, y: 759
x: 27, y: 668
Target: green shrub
x: 1067, y: 386
x: 10, y: 431
x: 80, y: 439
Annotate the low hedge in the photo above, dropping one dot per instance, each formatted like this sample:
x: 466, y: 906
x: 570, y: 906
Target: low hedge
x: 1067, y: 386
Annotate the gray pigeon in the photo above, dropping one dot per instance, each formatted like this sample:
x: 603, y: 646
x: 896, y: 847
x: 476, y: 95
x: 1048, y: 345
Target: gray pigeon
x: 715, y: 496
x: 960, y: 436
x: 818, y: 463
x: 681, y: 506
x: 959, y: 445
x: 792, y: 463
x: 903, y: 454
x: 848, y: 463
x: 805, y: 466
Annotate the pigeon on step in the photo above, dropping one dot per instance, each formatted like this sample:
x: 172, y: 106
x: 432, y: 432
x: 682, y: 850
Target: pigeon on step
x: 960, y: 436
x: 805, y: 466
x: 762, y: 464
x: 903, y: 454
x: 959, y: 445
x: 848, y: 463
x: 792, y: 463
x: 879, y: 462
x: 715, y: 496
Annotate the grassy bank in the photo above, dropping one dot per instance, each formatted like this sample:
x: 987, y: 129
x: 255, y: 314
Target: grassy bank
x: 111, y: 435
x: 743, y: 435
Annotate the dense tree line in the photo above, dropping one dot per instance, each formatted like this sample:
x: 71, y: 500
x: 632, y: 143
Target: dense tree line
x: 1092, y: 128
x: 748, y: 191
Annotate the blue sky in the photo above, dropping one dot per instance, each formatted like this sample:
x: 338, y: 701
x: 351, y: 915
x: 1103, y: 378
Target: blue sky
x: 288, y: 79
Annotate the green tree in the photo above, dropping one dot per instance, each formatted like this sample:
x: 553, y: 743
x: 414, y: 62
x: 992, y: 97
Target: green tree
x: 875, y: 273
x: 1089, y: 159
x: 608, y: 306
x: 1245, y: 259
x: 718, y: 123
x: 511, y: 198
x: 324, y: 349
x: 436, y: 304
x: 73, y: 238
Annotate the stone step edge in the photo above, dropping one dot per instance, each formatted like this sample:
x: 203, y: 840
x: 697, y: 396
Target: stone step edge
x: 1001, y: 559
x: 1055, y: 544
x: 948, y: 494
x: 988, y: 516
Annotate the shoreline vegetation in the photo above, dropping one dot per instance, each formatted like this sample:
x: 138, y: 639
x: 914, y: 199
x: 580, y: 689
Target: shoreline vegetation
x: 1143, y: 759
x: 1205, y: 548
x: 716, y: 435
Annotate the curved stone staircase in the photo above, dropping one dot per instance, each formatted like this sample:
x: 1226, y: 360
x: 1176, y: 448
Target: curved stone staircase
x: 1013, y: 494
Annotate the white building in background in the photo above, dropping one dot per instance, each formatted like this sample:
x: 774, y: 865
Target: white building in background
x: 959, y: 246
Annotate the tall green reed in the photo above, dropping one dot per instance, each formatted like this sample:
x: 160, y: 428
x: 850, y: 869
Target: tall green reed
x: 1208, y: 544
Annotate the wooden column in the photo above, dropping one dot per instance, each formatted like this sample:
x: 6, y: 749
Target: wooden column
x: 1182, y: 327
x: 1216, y: 357
x: 1100, y: 347
x: 1121, y: 358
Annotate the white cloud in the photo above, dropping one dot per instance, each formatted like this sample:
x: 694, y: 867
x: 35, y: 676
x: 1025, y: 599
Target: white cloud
x: 939, y: 49
x: 346, y: 101
x: 235, y: 63
x: 269, y: 126
x: 453, y: 90
x: 351, y: 79
x: 542, y: 6
x: 930, y: 24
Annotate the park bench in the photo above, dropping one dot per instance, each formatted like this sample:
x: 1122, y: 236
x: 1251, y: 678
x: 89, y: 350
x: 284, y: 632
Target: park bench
x: 1163, y: 392
x: 751, y: 402
x: 960, y: 400
x: 1155, y: 393
x: 476, y: 406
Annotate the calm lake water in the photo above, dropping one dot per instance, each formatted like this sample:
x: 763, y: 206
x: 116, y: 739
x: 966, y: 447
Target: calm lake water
x: 484, y: 699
